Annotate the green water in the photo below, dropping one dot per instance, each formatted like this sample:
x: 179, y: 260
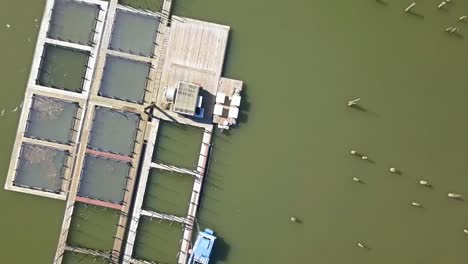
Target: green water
x: 134, y: 33
x: 124, y: 79
x: 41, y: 168
x: 153, y: 5
x: 93, y: 227
x: 51, y: 120
x: 168, y: 192
x: 113, y: 131
x: 63, y: 22
x: 157, y: 240
x: 178, y: 145
x: 63, y: 68
x: 301, y: 62
x: 103, y: 179
x: 73, y: 258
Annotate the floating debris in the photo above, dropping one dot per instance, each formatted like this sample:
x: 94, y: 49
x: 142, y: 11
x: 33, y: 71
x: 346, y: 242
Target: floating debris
x: 454, y: 195
x: 409, y: 7
x: 361, y: 245
x: 451, y: 29
x: 425, y: 183
x: 354, y: 102
x: 48, y: 109
x: 441, y: 4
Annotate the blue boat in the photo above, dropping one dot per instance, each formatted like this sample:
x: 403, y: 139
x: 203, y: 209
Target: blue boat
x: 203, y: 246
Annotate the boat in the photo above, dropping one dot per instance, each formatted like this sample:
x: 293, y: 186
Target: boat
x: 202, y: 248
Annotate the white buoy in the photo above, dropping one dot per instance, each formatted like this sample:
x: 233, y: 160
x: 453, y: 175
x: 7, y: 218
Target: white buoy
x: 442, y: 4
x: 364, y: 157
x: 354, y: 102
x: 410, y: 6
x: 462, y: 18
x: 423, y: 182
x: 353, y: 152
x: 416, y: 204
x: 356, y: 179
x: 454, y: 195
x: 393, y: 170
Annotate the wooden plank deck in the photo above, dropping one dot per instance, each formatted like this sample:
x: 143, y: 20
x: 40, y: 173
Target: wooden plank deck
x: 195, y: 54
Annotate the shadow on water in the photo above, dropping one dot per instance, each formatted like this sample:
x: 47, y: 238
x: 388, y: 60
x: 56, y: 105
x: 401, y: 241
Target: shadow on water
x: 221, y: 250
x: 415, y: 14
x: 381, y: 2
x: 245, y: 106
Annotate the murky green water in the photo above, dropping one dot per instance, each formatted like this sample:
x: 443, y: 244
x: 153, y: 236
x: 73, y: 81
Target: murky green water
x: 124, y: 79
x: 71, y: 258
x: 93, y: 227
x: 178, y: 145
x: 134, y: 33
x: 63, y: 22
x: 113, y: 131
x: 301, y: 62
x: 168, y: 192
x: 51, y: 120
x: 103, y: 179
x: 157, y: 240
x: 63, y: 68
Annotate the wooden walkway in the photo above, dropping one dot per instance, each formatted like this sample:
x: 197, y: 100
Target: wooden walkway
x: 98, y: 203
x: 109, y: 155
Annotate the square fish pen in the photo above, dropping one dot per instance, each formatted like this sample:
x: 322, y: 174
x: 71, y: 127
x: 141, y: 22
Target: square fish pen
x: 104, y: 179
x: 93, y: 227
x: 63, y: 68
x: 124, y: 79
x: 134, y: 32
x: 51, y: 119
x: 114, y: 131
x: 158, y: 240
x: 168, y: 192
x: 41, y: 168
x: 73, y: 21
x: 178, y: 145
x: 77, y: 258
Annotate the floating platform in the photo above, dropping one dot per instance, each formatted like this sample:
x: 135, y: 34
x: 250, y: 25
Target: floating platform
x: 93, y: 106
